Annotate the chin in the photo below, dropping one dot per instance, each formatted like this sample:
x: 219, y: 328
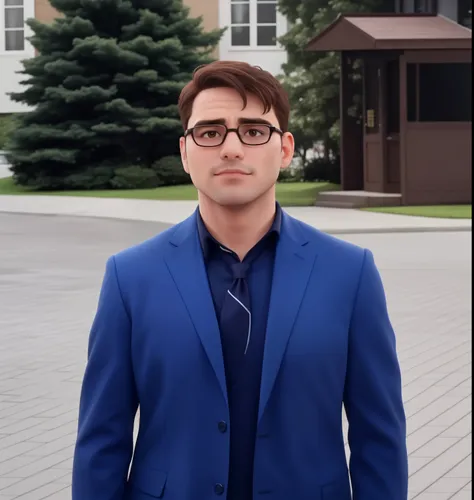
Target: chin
x: 236, y: 199
x: 232, y: 197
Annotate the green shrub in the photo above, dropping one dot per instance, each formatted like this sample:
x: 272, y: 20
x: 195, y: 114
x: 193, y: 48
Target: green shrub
x: 97, y: 177
x: 7, y: 124
x: 287, y: 175
x: 170, y: 172
x: 322, y: 170
x: 134, y: 177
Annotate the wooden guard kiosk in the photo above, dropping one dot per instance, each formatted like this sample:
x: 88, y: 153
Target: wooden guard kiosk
x: 411, y: 141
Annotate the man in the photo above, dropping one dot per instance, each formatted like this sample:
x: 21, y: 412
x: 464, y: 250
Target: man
x: 240, y: 333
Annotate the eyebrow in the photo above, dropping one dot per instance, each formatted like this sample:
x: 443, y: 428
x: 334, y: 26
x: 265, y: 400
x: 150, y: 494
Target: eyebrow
x: 242, y: 121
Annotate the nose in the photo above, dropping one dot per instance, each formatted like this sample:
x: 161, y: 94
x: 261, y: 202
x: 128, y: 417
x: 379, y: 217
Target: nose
x: 232, y: 149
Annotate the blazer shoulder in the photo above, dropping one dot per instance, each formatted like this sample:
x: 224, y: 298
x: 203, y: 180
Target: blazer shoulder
x: 342, y: 261
x: 139, y: 255
x: 330, y: 245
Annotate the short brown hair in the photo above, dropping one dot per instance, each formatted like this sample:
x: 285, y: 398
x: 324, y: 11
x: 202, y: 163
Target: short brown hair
x: 243, y: 78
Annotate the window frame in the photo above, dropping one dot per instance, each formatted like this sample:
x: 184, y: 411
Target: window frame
x: 461, y: 20
x: 427, y: 7
x: 253, y: 25
x: 414, y: 93
x: 28, y: 12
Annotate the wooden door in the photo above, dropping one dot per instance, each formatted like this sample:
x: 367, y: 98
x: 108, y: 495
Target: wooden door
x: 392, y: 113
x: 374, y: 129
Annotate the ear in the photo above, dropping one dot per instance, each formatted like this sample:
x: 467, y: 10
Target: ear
x: 184, y: 153
x: 287, y: 150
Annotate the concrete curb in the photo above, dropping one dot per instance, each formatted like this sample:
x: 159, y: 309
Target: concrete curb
x: 334, y: 231
x: 440, y: 229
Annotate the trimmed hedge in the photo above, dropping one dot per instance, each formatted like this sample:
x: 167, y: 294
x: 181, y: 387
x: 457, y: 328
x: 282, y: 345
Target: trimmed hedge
x: 7, y: 124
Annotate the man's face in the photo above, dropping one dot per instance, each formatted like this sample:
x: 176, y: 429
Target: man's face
x: 234, y: 173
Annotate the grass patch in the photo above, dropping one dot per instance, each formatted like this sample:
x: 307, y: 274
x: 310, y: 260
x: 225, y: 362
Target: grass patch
x: 288, y: 193
x: 438, y: 211
x: 301, y: 194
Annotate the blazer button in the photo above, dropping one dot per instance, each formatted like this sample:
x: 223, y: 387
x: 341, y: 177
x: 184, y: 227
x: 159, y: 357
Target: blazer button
x: 222, y: 426
x: 219, y: 489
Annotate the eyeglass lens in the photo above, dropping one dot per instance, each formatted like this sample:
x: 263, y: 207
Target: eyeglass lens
x: 213, y: 135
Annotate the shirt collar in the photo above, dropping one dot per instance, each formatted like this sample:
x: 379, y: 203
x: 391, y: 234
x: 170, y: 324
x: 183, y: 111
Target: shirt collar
x: 208, y: 242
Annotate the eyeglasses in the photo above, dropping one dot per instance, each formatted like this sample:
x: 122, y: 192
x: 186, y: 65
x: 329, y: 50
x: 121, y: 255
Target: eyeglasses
x: 210, y: 136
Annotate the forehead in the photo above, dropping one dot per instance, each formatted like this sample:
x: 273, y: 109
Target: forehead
x: 226, y: 103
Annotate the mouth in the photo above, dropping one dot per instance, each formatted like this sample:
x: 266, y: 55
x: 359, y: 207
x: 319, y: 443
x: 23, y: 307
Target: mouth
x: 232, y: 171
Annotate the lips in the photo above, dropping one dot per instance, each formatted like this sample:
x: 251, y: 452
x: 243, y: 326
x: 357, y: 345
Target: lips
x: 232, y: 172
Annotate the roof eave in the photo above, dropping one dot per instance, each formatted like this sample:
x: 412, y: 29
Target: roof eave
x: 423, y: 44
x: 356, y: 39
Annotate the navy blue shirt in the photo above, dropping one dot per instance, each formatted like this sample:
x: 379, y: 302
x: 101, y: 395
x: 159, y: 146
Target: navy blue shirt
x: 244, y: 395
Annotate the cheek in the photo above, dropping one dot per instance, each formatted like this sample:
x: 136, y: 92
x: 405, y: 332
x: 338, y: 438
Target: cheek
x: 271, y: 158
x: 200, y: 160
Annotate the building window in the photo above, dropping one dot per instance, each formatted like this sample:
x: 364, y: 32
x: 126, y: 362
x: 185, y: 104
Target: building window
x: 392, y: 96
x: 254, y: 23
x: 412, y: 92
x: 240, y: 23
x: 439, y: 92
x: 426, y: 6
x: 465, y: 13
x: 266, y: 23
x: 14, y: 20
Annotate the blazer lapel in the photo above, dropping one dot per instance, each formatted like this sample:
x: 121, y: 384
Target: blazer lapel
x: 186, y: 265
x: 294, y: 261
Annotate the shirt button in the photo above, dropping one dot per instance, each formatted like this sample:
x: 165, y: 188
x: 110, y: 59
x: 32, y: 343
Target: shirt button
x: 222, y: 426
x: 219, y: 489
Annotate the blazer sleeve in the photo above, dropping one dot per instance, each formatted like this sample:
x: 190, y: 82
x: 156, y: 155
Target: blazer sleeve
x: 108, y: 402
x: 373, y: 396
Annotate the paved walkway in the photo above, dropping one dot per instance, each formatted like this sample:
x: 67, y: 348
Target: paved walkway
x: 327, y: 219
x: 50, y: 274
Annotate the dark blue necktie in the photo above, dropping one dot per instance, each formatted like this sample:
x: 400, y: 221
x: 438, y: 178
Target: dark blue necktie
x: 236, y: 321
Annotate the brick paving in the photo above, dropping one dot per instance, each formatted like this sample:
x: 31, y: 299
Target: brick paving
x: 50, y: 272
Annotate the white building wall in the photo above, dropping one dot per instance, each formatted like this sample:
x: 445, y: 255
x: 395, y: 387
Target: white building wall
x: 408, y: 5
x: 10, y: 65
x: 271, y: 61
x: 10, y: 62
x: 268, y: 58
x: 449, y: 9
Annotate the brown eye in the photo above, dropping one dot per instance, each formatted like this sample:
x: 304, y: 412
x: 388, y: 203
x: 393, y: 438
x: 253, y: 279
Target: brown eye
x: 253, y: 132
x: 208, y: 133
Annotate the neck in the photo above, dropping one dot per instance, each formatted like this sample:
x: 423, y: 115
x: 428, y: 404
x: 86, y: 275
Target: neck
x: 239, y: 228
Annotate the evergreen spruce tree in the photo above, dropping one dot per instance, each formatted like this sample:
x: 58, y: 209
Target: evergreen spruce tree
x: 103, y: 90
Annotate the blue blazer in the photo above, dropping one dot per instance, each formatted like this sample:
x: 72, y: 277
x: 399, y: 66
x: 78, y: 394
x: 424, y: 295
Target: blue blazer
x: 155, y: 344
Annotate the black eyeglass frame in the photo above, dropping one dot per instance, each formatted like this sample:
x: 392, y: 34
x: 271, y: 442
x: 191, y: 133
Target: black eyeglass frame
x: 272, y: 128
